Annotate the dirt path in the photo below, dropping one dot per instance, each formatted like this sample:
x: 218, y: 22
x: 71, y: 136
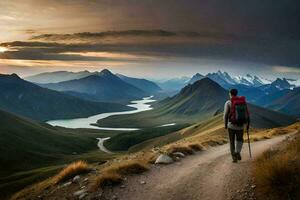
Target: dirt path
x: 101, y: 146
x: 204, y: 176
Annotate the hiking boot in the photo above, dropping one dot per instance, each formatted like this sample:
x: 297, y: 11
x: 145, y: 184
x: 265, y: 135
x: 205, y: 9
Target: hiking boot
x: 234, y: 158
x: 238, y: 156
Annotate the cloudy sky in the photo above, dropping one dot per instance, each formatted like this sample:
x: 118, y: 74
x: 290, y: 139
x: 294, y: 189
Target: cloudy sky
x: 151, y: 38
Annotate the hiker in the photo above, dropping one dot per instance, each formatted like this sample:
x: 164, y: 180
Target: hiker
x: 236, y: 116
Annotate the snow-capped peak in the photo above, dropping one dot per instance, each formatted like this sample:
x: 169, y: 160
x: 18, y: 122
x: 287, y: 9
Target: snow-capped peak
x: 295, y: 82
x: 251, y: 80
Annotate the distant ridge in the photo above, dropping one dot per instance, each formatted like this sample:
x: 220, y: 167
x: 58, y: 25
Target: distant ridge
x: 32, y: 101
x: 103, y: 86
x: 194, y: 103
x: 57, y: 76
x: 148, y: 86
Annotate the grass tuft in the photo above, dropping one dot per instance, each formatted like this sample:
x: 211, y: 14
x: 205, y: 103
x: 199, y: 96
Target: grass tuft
x: 76, y: 168
x: 183, y: 149
x: 129, y: 167
x: 113, y: 174
x: 106, y: 179
x: 196, y: 147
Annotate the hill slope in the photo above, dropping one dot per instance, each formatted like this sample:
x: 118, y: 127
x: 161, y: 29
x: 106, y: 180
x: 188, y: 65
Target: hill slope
x: 288, y: 103
x: 58, y: 76
x: 104, y: 86
x: 200, y: 101
x: 30, y: 151
x: 29, y: 100
x: 26, y: 144
x: 148, y: 86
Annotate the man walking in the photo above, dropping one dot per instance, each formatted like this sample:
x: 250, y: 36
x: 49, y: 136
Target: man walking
x: 236, y: 115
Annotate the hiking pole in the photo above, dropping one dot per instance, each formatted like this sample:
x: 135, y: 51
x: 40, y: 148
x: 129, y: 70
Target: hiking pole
x: 249, y: 143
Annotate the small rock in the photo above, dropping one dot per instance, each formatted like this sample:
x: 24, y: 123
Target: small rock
x: 76, y: 178
x: 82, y: 187
x: 79, y: 192
x: 253, y: 186
x: 164, y: 159
x: 102, y: 162
x: 67, y: 184
x: 74, y: 153
x: 114, y: 197
x: 178, y: 154
x: 143, y: 182
x: 122, y: 186
x: 85, y: 180
x: 177, y: 158
x: 82, y: 195
x: 155, y: 149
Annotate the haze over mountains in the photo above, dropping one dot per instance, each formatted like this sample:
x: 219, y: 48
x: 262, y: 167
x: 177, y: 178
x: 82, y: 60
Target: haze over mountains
x: 201, y: 100
x: 103, y: 86
x: 106, y: 86
x: 32, y: 101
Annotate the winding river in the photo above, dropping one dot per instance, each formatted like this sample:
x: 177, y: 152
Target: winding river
x: 140, y: 105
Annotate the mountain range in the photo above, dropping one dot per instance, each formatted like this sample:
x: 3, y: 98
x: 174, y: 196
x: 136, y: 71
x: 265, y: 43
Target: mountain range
x: 104, y: 87
x: 143, y: 84
x: 27, y: 99
x: 101, y: 86
x: 147, y: 86
x: 58, y: 76
x: 288, y: 101
x: 227, y: 81
x: 195, y: 102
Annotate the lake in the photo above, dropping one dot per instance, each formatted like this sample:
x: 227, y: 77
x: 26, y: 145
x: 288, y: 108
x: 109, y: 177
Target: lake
x: 140, y: 105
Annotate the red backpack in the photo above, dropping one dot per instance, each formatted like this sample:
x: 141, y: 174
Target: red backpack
x: 239, y: 113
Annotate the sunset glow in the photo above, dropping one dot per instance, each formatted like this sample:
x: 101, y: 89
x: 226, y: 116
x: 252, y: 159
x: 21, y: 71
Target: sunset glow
x: 3, y: 49
x: 136, y: 37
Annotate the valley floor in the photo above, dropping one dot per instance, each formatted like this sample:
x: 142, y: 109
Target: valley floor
x: 206, y: 175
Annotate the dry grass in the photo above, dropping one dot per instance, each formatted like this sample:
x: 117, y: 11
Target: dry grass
x: 214, y: 142
x: 186, y: 150
x: 277, y: 173
x: 107, y: 179
x: 76, y: 168
x: 196, y: 147
x: 113, y: 174
x: 151, y: 157
x: 129, y: 167
x: 270, y: 133
x: 33, y: 191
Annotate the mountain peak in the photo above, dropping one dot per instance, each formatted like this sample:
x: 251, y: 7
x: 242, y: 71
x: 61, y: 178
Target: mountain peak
x: 204, y: 84
x: 195, y: 78
x: 15, y: 76
x: 10, y: 76
x: 106, y: 72
x: 206, y: 81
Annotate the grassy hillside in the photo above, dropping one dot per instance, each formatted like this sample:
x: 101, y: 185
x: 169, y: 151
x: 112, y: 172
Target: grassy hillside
x: 29, y: 100
x: 30, y: 151
x: 277, y: 171
x: 288, y: 103
x: 123, y: 141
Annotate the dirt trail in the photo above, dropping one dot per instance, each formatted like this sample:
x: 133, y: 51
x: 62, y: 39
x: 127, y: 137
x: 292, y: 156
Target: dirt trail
x: 206, y: 175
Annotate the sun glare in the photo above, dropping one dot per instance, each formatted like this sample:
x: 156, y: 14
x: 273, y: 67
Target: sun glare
x: 3, y: 49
